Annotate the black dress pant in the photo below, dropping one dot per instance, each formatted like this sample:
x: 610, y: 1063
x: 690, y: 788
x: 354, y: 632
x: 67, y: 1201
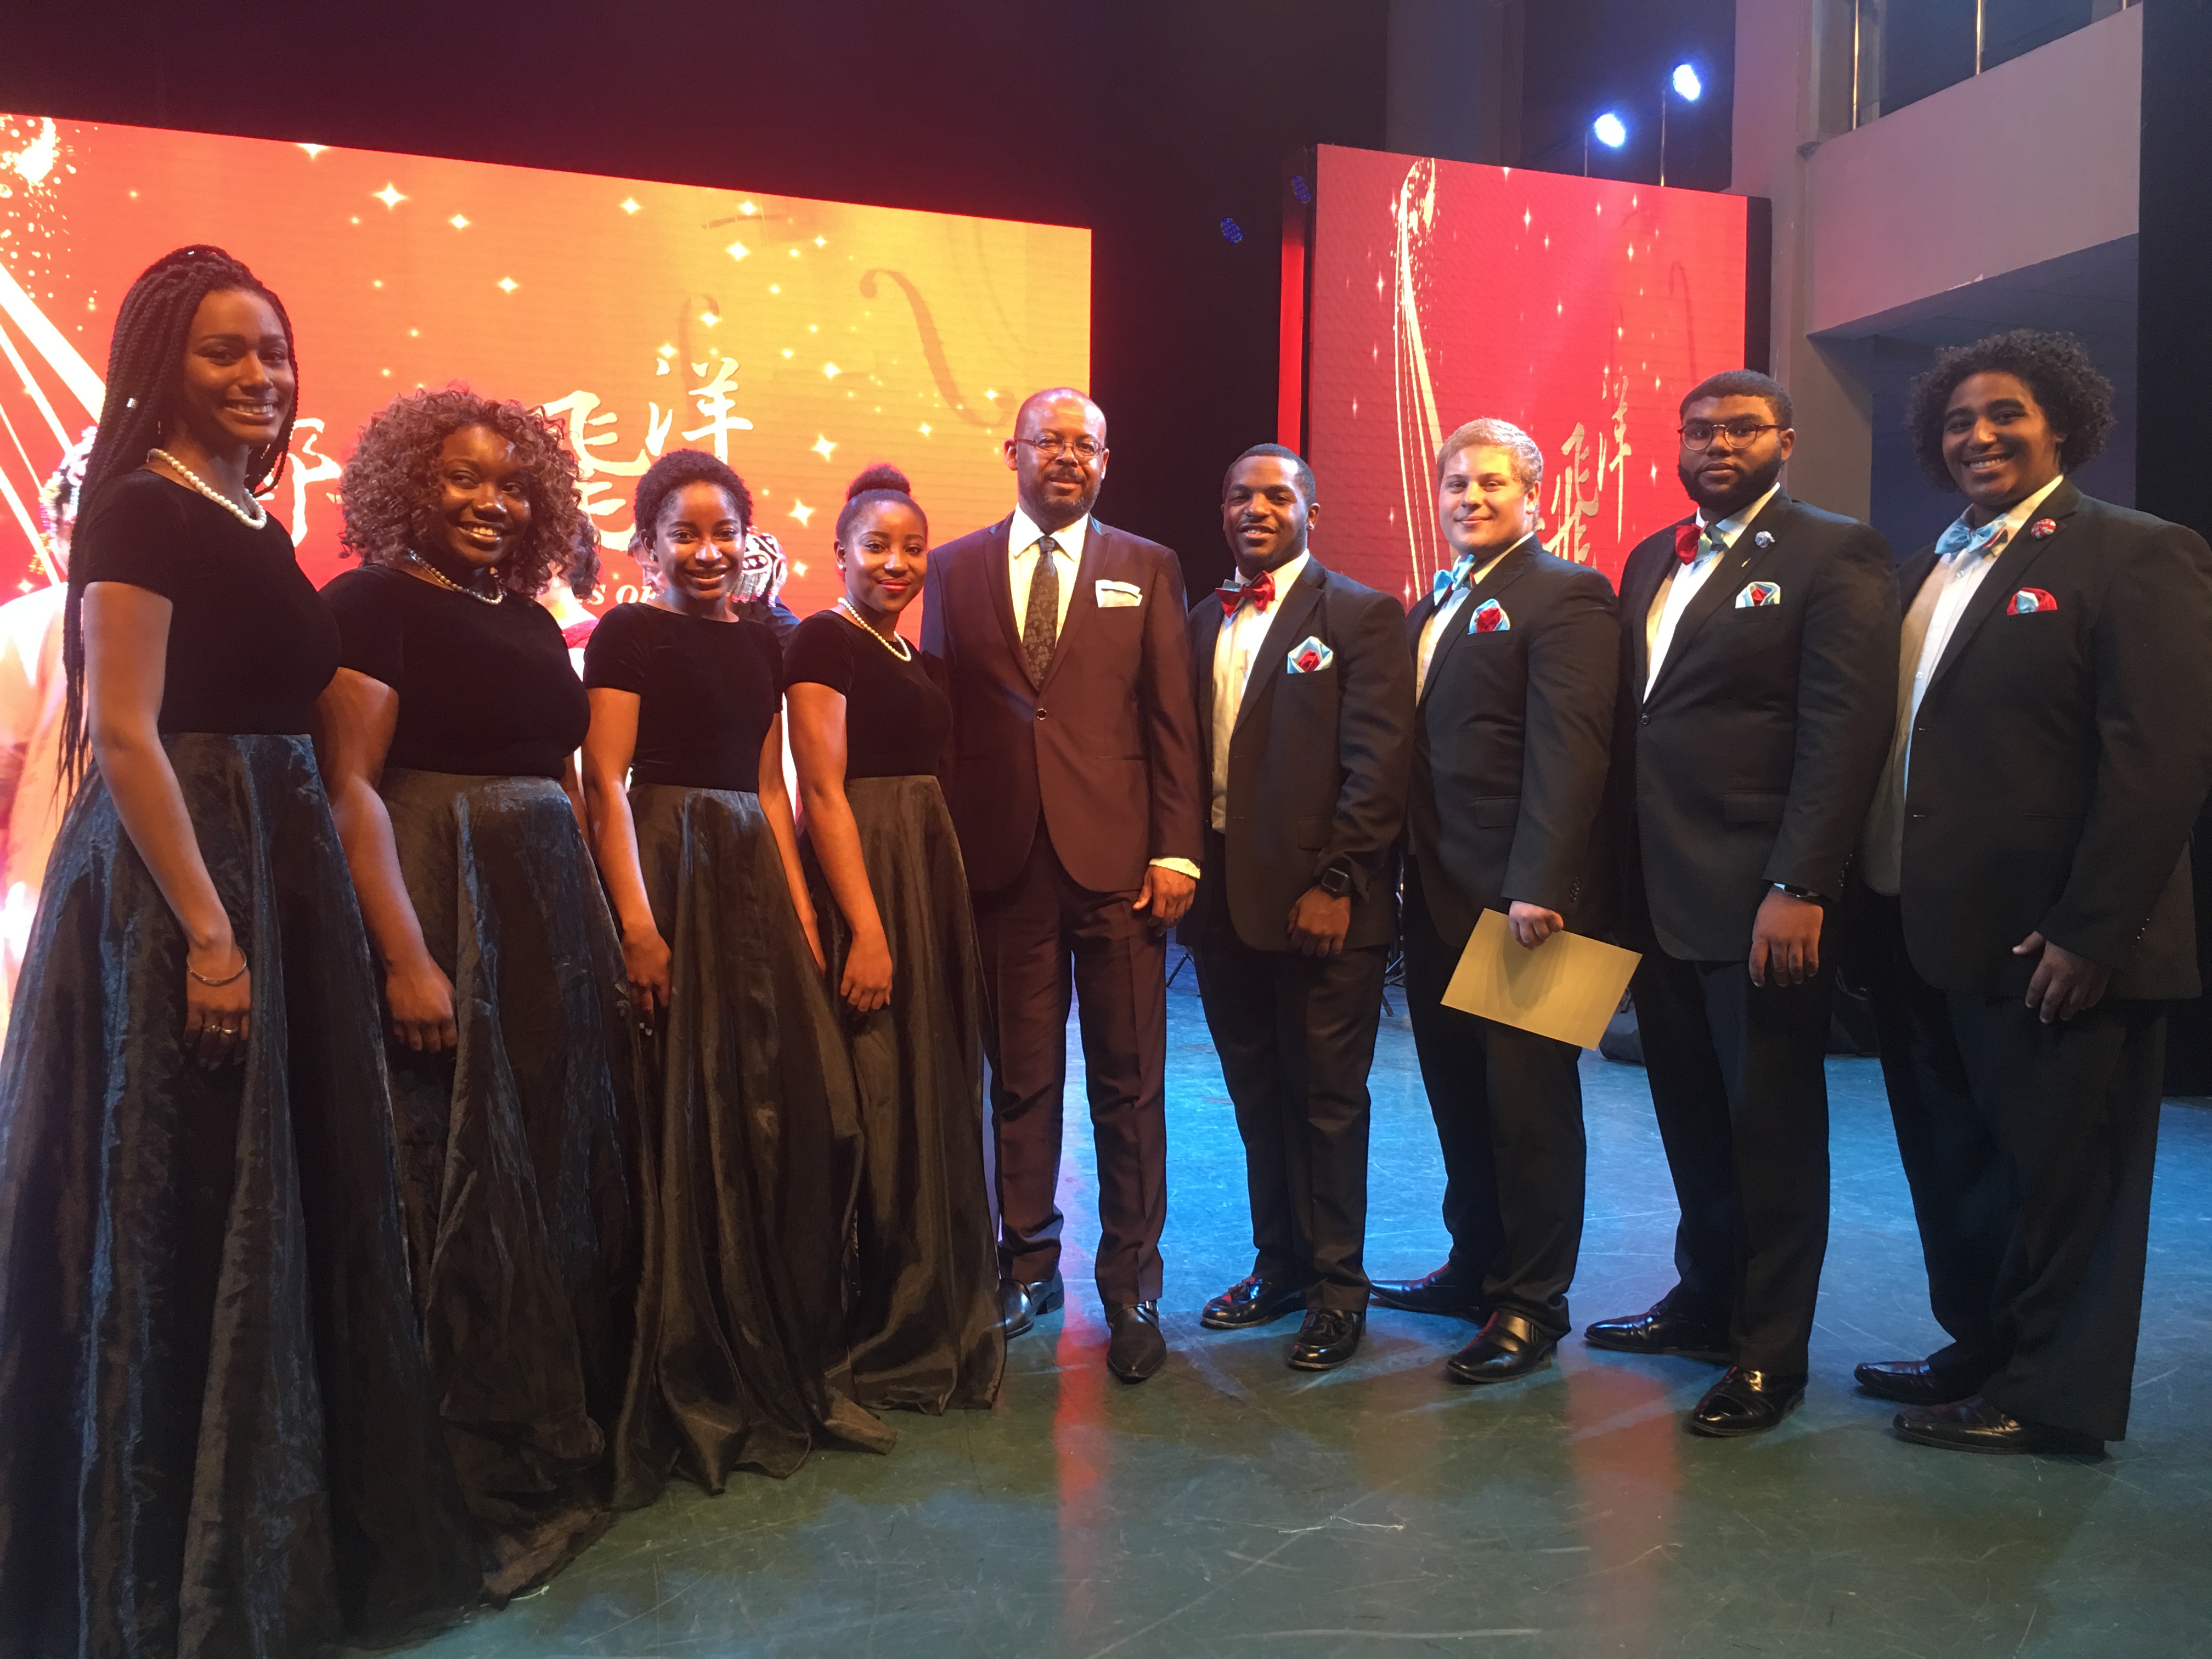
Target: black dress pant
x: 1295, y: 1036
x: 2029, y: 1149
x: 1741, y: 1091
x: 1508, y: 1106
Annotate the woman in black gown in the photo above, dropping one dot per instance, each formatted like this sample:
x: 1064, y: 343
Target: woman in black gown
x: 449, y: 734
x: 869, y: 724
x: 217, y: 1431
x: 740, y: 1351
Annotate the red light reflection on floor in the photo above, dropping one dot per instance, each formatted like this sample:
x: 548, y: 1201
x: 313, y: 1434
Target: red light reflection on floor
x: 1626, y: 1442
x: 1079, y: 1435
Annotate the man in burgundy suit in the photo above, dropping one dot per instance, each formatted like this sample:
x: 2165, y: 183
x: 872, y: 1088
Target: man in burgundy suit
x: 1076, y: 794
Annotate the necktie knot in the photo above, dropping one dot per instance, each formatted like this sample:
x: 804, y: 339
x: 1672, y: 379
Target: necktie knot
x: 1690, y: 540
x: 1457, y: 576
x: 1261, y: 590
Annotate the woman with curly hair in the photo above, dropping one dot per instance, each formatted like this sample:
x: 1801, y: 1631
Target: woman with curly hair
x: 449, y: 735
x: 218, y: 1434
x: 740, y: 1352
x: 2028, y: 914
x: 870, y: 722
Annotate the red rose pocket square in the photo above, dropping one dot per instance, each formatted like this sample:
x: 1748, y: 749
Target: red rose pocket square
x: 1310, y: 656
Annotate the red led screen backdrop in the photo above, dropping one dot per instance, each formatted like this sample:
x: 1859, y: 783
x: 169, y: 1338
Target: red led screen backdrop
x: 1438, y: 292
x: 800, y: 339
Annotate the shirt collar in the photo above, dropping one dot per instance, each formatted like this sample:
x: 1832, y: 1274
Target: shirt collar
x: 1724, y: 533
x: 1483, y: 574
x: 1023, y: 536
x: 2022, y: 509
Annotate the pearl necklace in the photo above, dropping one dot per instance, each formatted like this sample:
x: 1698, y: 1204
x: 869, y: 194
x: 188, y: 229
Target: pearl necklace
x: 446, y: 581
x: 254, y: 520
x: 902, y: 650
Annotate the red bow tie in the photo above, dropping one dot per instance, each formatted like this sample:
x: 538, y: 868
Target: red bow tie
x: 1261, y: 590
x: 1685, y: 541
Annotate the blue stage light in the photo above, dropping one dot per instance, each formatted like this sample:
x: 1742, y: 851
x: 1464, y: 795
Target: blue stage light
x: 1233, y: 231
x: 1687, y: 84
x: 1610, y: 131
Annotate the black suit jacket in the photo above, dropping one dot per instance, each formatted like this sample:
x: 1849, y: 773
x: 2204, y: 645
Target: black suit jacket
x: 2060, y: 757
x: 1753, y: 757
x: 1318, y: 762
x: 1105, y: 749
x: 1512, y: 742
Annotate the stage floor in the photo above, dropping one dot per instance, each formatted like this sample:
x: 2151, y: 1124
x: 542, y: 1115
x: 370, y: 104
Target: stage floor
x: 1231, y: 1507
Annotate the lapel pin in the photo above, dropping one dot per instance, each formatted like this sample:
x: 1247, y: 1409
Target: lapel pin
x: 2043, y: 527
x: 1764, y: 538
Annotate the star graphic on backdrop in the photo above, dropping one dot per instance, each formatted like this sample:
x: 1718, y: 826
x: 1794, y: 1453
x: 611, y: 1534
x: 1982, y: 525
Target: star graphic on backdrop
x: 710, y: 318
x: 508, y: 284
x: 800, y: 511
x: 630, y: 205
x: 822, y: 446
x: 389, y: 195
x: 459, y: 221
x: 314, y: 150
x: 830, y: 371
x: 737, y: 250
x: 925, y: 429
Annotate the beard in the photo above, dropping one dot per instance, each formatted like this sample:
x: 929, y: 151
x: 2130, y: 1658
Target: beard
x: 1718, y: 504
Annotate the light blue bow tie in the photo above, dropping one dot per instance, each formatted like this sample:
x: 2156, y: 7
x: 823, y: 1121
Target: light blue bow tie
x: 1441, y: 588
x: 1962, y: 541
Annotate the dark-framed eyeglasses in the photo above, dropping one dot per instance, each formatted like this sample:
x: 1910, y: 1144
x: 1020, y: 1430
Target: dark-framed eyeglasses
x: 1699, y: 435
x: 1048, y: 447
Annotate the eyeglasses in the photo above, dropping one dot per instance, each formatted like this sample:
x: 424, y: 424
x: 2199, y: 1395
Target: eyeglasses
x: 1048, y: 447
x: 1699, y: 435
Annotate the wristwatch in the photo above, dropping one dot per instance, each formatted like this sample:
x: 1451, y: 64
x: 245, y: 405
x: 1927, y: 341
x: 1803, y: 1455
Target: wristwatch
x: 1336, y: 880
x: 1804, y: 893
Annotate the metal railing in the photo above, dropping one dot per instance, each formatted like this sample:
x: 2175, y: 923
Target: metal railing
x: 1903, y: 51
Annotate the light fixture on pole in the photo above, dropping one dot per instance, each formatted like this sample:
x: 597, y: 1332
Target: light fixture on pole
x: 1686, y: 85
x: 1610, y: 131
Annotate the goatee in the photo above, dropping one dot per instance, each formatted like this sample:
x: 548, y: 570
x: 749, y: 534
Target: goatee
x: 1718, y: 504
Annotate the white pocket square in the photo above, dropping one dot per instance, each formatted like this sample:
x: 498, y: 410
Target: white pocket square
x: 1310, y: 656
x: 1116, y: 596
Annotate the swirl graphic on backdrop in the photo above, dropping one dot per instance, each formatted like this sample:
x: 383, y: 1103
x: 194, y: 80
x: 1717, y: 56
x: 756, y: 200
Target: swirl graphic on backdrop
x: 1420, y: 430
x: 933, y: 343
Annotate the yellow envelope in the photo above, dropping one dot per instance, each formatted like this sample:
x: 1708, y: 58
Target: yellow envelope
x: 1567, y: 988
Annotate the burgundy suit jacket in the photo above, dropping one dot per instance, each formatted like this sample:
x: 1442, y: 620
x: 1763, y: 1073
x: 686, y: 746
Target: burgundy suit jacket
x: 1106, y: 749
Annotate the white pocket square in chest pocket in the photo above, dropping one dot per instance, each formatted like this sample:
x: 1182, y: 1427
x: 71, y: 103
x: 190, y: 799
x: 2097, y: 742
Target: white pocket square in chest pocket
x: 1309, y: 657
x: 1117, y: 596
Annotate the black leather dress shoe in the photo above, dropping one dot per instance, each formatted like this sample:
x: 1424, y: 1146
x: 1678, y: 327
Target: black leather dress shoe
x: 1329, y: 1338
x: 1976, y: 1425
x: 1746, y: 1402
x: 1020, y: 1306
x: 1136, y: 1349
x: 1909, y: 1382
x: 1447, y: 1290
x: 1510, y: 1346
x: 1252, y: 1302
x: 1660, y: 1331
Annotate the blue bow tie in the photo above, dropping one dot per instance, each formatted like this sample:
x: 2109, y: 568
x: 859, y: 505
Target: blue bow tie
x: 1441, y: 588
x: 1962, y: 540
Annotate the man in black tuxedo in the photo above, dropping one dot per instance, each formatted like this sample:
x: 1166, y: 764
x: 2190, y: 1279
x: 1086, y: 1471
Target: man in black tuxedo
x: 1305, y: 702
x: 2027, y: 911
x: 1516, y: 658
x: 1758, y: 660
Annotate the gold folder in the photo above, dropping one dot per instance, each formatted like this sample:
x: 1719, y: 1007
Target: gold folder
x: 1567, y: 988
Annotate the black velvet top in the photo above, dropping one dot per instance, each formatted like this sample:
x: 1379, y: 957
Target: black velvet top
x: 897, y: 717
x: 483, y: 689
x: 707, y: 691
x: 250, y: 645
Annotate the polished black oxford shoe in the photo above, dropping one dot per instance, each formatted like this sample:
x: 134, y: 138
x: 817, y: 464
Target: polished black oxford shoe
x: 1975, y: 1426
x: 1329, y: 1338
x: 1252, y: 1302
x: 1909, y: 1382
x: 1136, y: 1348
x: 1020, y: 1305
x: 1746, y: 1402
x: 1660, y: 1331
x: 1448, y: 1291
x: 1510, y: 1346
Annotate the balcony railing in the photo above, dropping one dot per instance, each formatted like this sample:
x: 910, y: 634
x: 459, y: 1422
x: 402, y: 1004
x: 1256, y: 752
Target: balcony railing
x: 1902, y: 51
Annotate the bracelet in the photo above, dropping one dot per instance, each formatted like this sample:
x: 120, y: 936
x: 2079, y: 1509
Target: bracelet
x: 226, y: 978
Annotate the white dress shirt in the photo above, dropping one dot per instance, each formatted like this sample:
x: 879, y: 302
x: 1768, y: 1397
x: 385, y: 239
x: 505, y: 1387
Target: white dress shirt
x: 1681, y: 587
x: 1022, y: 540
x: 1940, y: 603
x: 1235, y: 648
x: 1432, y: 631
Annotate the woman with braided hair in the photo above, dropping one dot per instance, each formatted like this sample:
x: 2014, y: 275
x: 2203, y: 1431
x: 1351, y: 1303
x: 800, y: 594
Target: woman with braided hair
x: 218, y: 1429
x: 449, y: 734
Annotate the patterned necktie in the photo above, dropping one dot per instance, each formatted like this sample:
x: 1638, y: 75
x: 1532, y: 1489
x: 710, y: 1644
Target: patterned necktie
x: 1686, y: 539
x: 1261, y: 590
x: 1962, y: 543
x: 1041, y: 625
x: 1440, y: 589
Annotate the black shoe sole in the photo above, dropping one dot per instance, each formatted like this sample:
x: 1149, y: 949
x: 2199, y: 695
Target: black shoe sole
x: 1483, y: 1379
x: 2085, y: 1447
x: 1249, y: 1322
x: 1744, y: 1430
x: 1297, y: 1364
x: 1137, y: 1375
x: 1706, y: 1356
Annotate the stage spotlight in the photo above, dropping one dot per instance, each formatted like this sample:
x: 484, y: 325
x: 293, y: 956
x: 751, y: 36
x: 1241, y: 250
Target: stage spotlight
x: 1688, y: 86
x: 1610, y: 131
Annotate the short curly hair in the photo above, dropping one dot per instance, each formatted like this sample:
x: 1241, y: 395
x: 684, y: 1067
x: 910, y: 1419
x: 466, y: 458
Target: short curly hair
x: 2076, y: 399
x: 671, y: 473
x: 386, y: 488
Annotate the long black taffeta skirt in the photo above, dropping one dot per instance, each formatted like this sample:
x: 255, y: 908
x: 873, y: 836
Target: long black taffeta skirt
x: 750, y: 1134
x: 517, y: 1152
x: 923, y: 1315
x: 218, y: 1435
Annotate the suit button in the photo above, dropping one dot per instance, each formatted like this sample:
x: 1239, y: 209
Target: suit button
x: 1040, y: 713
x: 1643, y: 720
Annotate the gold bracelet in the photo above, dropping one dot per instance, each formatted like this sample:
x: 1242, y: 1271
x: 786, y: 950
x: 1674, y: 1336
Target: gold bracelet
x: 226, y: 978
